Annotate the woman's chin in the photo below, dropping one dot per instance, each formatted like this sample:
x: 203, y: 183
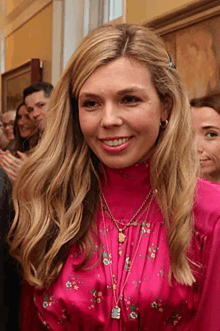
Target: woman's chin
x: 25, y: 136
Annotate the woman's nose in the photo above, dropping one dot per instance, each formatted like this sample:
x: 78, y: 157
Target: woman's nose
x: 20, y: 122
x: 111, y: 116
x: 199, y: 143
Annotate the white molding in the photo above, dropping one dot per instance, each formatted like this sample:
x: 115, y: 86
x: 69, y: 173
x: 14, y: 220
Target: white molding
x: 73, y: 28
x: 94, y: 14
x: 117, y: 8
x: 106, y: 10
x: 25, y: 15
x: 111, y: 9
x: 110, y: 14
x: 57, y: 40
x: 86, y: 6
x: 2, y: 51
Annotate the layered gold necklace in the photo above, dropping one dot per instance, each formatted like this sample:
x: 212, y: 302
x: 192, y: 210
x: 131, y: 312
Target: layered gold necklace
x: 133, y: 220
x: 116, y: 310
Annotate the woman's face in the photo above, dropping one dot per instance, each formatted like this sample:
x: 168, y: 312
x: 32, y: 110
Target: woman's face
x: 25, y: 125
x: 206, y: 125
x: 120, y: 113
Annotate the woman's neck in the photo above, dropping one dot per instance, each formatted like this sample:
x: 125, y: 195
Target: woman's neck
x: 125, y: 189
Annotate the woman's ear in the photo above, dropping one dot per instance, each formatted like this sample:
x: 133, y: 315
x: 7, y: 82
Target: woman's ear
x: 167, y: 106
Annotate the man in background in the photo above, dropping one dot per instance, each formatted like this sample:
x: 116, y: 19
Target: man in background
x: 8, y: 119
x: 36, y: 98
x: 3, y: 139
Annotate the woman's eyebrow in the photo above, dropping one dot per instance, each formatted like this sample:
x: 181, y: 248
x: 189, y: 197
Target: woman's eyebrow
x: 120, y: 92
x: 88, y: 95
x: 207, y: 127
x: 131, y: 90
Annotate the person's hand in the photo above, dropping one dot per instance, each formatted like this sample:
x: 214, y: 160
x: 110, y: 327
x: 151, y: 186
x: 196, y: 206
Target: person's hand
x: 11, y: 164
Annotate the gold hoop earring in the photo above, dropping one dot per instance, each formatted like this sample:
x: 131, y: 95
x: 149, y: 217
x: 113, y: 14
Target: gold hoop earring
x: 163, y: 124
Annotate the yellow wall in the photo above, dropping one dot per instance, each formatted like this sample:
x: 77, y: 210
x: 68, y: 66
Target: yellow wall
x: 145, y: 10
x: 32, y: 40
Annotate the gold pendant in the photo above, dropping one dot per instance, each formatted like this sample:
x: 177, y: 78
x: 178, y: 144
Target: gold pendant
x: 121, y: 237
x: 116, y: 313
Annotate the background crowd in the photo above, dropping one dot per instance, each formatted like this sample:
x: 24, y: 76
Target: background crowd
x: 20, y: 133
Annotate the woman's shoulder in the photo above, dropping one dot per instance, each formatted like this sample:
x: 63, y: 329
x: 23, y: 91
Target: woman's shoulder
x: 207, y: 206
x: 208, y: 195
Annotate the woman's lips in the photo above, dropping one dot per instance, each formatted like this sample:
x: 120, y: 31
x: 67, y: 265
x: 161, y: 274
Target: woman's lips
x: 115, y: 144
x: 25, y: 128
x: 204, y: 161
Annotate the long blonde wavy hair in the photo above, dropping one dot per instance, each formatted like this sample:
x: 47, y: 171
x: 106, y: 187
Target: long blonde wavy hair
x: 56, y: 194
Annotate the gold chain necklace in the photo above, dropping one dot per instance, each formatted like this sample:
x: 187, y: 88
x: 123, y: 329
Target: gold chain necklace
x: 116, y: 310
x: 121, y: 235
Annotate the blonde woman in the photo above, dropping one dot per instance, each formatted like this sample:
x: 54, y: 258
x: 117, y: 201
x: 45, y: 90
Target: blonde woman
x: 111, y: 228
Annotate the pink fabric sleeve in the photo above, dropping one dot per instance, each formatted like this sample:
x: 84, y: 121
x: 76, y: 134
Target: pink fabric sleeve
x: 208, y: 314
x: 28, y: 312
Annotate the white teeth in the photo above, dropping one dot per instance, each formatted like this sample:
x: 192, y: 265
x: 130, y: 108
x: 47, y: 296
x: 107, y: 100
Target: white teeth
x: 116, y: 142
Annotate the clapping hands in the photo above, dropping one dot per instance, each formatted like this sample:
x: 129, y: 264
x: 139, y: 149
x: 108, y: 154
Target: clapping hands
x: 11, y: 164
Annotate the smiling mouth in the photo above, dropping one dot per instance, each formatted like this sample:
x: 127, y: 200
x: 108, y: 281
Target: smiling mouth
x: 115, y: 142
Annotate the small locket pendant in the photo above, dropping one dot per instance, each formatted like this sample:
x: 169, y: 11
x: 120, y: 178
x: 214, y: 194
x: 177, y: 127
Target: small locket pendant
x: 116, y: 313
x: 121, y: 237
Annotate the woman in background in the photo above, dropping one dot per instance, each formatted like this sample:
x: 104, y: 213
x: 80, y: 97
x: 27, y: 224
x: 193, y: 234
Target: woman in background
x: 206, y: 124
x: 25, y: 131
x: 112, y: 228
x: 26, y: 137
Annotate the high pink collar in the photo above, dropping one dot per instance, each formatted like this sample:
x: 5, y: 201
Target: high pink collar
x: 126, y: 178
x: 126, y: 189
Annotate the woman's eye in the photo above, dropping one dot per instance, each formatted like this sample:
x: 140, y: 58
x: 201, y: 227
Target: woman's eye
x: 212, y: 134
x: 90, y: 104
x: 131, y: 99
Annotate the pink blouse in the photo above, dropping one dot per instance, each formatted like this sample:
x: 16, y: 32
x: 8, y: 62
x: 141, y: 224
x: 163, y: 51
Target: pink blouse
x: 83, y: 299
